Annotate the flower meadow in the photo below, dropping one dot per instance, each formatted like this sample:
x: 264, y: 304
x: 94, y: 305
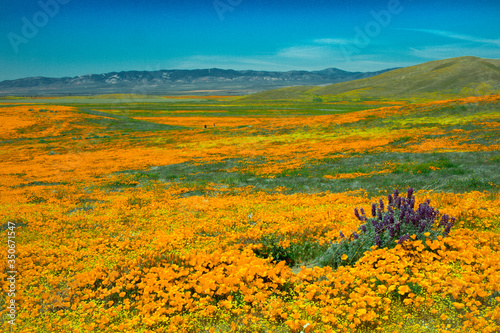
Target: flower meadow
x: 218, y: 216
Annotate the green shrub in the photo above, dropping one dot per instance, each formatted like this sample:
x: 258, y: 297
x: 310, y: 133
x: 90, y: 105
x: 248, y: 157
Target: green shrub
x: 271, y: 248
x: 387, y: 227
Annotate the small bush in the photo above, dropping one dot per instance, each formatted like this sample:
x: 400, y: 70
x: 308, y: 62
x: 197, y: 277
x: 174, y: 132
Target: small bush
x: 271, y: 248
x: 388, y: 227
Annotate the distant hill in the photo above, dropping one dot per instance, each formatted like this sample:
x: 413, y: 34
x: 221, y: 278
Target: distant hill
x: 463, y: 76
x: 176, y: 82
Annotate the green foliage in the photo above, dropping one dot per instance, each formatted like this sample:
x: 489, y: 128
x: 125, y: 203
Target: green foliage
x: 387, y: 227
x: 426, y: 167
x: 306, y: 250
x: 271, y: 248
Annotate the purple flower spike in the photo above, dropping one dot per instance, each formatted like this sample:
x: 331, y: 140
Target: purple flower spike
x: 374, y: 210
x: 355, y: 235
x: 381, y: 204
x: 377, y: 240
x: 409, y: 193
x: 447, y: 229
x: 341, y: 235
x: 398, y: 202
x: 403, y: 239
x: 403, y: 208
x: 444, y: 220
x: 392, y: 231
x: 397, y: 228
x: 379, y: 214
x: 396, y: 193
x: 363, y: 213
x: 357, y: 213
x: 389, y: 198
x: 386, y: 220
x: 363, y: 228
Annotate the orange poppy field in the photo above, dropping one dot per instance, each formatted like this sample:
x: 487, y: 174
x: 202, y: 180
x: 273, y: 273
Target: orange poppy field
x: 210, y: 215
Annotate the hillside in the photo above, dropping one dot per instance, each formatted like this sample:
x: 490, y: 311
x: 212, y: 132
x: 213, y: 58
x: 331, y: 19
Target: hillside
x: 455, y: 77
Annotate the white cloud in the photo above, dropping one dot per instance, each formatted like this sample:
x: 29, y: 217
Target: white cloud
x: 331, y: 41
x: 304, y: 52
x: 454, y: 50
x: 317, y: 54
x: 458, y: 36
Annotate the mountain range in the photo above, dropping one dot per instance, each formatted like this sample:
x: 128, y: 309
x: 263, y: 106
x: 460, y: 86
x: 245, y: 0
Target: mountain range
x: 176, y: 82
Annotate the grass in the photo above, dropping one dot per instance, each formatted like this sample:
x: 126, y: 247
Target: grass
x: 450, y: 172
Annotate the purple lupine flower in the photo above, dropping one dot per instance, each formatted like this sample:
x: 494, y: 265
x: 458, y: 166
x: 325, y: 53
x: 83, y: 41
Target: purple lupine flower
x: 403, y: 239
x: 427, y: 211
x: 357, y: 213
x: 452, y: 221
x: 381, y: 204
x: 398, y: 202
x: 376, y: 225
x: 447, y: 229
x: 341, y: 234
x: 397, y: 228
x: 405, y: 218
x: 379, y: 214
x: 363, y: 228
x: 422, y: 227
x: 402, y: 212
x: 415, y: 220
x: 389, y: 199
x: 392, y: 231
x: 409, y: 193
x: 444, y: 220
x: 418, y: 215
x: 390, y: 210
x: 385, y: 220
x: 378, y: 241
x: 396, y: 193
x: 363, y: 213
x: 355, y: 235
x: 374, y: 209
x: 412, y: 203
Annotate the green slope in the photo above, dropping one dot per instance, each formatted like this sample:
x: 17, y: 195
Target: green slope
x: 298, y: 93
x: 441, y: 79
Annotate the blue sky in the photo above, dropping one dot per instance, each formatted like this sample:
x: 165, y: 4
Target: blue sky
x: 57, y: 38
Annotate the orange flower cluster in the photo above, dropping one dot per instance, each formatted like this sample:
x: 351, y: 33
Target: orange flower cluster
x: 151, y: 258
x: 356, y: 174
